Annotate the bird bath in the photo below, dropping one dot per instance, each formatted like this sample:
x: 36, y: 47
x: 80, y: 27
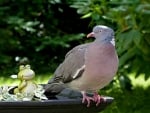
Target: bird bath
x: 57, y: 105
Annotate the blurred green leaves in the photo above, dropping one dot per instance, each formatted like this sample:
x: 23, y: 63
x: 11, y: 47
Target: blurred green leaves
x: 43, y: 31
x: 20, y: 25
x: 59, y: 41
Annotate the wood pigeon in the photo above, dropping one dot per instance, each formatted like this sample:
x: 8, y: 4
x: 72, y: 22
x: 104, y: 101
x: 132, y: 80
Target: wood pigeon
x: 88, y: 67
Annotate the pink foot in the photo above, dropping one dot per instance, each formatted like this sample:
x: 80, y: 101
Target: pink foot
x: 86, y: 99
x: 97, y: 98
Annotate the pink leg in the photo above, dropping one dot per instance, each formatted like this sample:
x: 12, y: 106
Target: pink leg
x: 86, y: 99
x: 97, y: 98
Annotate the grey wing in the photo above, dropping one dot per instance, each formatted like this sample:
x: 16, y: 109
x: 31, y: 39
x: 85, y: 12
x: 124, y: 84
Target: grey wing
x: 72, y: 67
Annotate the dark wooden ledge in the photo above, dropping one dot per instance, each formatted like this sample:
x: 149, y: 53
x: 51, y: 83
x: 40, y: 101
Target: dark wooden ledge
x: 53, y: 106
x: 67, y: 101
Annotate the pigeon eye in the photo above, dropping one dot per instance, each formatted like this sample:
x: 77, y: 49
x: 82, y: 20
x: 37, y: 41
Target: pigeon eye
x: 100, y: 30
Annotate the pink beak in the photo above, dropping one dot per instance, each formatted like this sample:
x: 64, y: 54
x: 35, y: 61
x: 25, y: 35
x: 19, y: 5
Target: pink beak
x: 90, y: 35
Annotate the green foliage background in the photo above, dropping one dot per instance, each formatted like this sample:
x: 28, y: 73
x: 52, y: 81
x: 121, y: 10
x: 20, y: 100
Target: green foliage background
x: 44, y: 30
x: 40, y: 32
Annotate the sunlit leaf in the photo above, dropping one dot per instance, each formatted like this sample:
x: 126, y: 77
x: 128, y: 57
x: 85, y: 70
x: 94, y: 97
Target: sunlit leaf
x: 86, y: 15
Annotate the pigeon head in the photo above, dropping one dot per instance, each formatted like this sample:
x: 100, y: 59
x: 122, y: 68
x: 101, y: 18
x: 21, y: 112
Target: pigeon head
x: 102, y: 33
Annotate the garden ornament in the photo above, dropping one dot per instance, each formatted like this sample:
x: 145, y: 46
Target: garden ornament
x: 27, y: 85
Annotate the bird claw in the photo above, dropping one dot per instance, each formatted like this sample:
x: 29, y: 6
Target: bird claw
x: 87, y: 99
x: 97, y: 98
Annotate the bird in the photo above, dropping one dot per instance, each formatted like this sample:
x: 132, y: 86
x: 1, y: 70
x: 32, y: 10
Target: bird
x: 88, y: 67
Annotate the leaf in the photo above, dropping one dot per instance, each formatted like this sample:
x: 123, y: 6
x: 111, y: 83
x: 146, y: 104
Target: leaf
x: 137, y: 37
x: 124, y: 42
x: 86, y: 15
x: 144, y: 47
x: 126, y: 56
x: 143, y: 8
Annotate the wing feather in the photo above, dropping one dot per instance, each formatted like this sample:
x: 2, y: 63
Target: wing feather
x: 74, y: 60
